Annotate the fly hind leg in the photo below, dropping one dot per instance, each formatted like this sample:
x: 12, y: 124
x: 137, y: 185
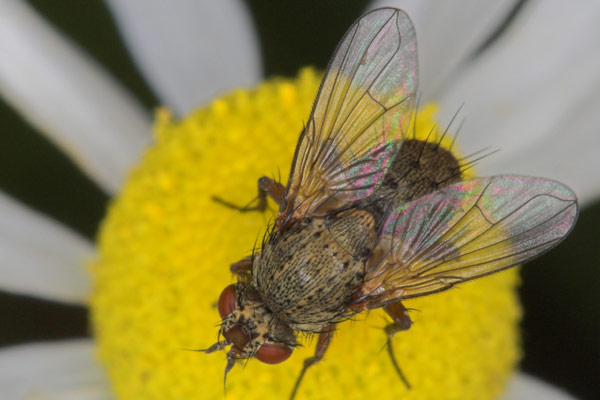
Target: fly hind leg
x: 266, y: 187
x: 401, y: 322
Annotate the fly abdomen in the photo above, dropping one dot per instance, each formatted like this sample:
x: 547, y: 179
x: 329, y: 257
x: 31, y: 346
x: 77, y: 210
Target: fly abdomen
x: 420, y: 168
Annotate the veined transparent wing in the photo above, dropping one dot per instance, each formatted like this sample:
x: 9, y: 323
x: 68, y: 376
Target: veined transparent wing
x: 465, y: 231
x: 360, y: 116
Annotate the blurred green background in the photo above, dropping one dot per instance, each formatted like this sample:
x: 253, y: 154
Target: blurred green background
x: 560, y: 291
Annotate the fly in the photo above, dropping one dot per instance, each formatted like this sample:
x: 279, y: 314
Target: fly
x: 371, y: 216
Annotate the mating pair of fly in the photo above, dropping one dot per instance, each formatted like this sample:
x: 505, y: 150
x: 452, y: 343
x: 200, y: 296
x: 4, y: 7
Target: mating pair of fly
x: 370, y: 216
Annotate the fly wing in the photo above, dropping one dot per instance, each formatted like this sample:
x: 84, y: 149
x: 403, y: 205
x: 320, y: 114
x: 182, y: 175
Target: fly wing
x: 465, y: 231
x: 359, y: 118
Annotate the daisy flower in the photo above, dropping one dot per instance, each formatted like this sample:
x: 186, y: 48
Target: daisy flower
x: 161, y: 258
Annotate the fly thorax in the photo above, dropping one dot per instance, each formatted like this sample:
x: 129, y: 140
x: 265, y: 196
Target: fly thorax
x: 307, y: 274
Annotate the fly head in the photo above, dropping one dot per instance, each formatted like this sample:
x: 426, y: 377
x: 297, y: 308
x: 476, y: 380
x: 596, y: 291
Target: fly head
x: 250, y: 328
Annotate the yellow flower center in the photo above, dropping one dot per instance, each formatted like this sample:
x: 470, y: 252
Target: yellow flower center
x: 164, y: 255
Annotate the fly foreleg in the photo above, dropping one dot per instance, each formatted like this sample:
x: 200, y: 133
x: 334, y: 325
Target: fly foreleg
x: 266, y: 187
x: 401, y: 322
x: 322, y: 344
x: 242, y: 267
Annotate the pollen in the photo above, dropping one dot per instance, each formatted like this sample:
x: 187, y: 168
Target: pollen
x: 164, y: 253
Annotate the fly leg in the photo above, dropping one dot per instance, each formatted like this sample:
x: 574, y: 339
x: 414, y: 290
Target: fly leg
x: 322, y: 344
x: 266, y: 187
x: 401, y: 322
x: 242, y: 267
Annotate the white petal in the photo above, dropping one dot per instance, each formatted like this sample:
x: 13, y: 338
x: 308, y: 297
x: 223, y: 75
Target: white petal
x: 526, y: 387
x: 568, y: 153
x: 39, y: 257
x: 52, y: 371
x: 68, y: 96
x: 190, y: 51
x: 527, y: 92
x: 448, y: 32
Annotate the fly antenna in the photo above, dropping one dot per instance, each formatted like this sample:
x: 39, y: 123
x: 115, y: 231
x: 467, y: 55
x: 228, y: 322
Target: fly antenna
x: 215, y: 347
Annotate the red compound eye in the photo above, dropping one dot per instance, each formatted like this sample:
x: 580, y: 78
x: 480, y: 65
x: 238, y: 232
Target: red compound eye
x: 227, y: 302
x: 273, y: 353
